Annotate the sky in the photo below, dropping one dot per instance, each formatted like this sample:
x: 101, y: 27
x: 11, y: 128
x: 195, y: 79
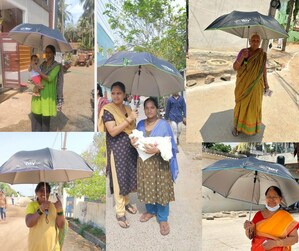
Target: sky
x: 13, y: 142
x: 75, y: 8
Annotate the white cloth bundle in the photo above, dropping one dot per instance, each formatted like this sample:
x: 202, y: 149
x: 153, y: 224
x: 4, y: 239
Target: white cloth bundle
x: 162, y: 143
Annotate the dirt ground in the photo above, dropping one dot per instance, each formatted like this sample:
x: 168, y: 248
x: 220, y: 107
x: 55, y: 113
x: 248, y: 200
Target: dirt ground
x: 203, y: 63
x: 14, y: 234
x: 76, y: 112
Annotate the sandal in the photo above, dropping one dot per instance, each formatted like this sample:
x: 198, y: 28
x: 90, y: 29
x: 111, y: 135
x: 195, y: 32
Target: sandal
x: 164, y: 228
x: 130, y: 209
x: 122, y: 221
x: 235, y: 132
x: 146, y: 217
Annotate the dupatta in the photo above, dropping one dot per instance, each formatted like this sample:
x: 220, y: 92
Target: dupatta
x: 60, y: 79
x: 162, y: 129
x: 118, y: 116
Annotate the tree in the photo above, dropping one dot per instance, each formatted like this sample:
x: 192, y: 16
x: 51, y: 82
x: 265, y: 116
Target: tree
x: 220, y: 147
x: 8, y: 191
x: 290, y: 12
x: 63, y: 15
x: 154, y: 26
x: 95, y: 187
x: 71, y: 33
x: 86, y: 24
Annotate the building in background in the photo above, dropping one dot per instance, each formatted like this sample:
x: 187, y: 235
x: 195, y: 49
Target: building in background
x: 105, y: 38
x: 15, y: 58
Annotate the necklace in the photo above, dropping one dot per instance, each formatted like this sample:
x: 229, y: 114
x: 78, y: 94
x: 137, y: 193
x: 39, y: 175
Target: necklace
x: 150, y: 123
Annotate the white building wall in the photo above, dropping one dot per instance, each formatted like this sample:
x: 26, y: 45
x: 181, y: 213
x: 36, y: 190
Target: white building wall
x: 32, y: 13
x: 202, y: 13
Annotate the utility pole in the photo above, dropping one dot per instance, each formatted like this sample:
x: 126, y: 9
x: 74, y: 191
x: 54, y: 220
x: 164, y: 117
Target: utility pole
x: 271, y: 13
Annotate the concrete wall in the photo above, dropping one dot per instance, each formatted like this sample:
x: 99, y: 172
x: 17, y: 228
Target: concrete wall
x: 202, y: 13
x: 32, y: 13
x: 87, y: 212
x: 90, y: 212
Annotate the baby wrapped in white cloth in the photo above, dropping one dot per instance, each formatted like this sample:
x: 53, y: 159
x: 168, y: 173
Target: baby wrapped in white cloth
x: 162, y: 143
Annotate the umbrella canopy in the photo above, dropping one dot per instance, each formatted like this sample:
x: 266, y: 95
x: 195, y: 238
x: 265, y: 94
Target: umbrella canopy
x: 242, y: 24
x: 247, y: 180
x: 46, y: 164
x: 39, y: 36
x: 141, y: 73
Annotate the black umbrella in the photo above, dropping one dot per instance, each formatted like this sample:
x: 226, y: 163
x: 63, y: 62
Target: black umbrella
x: 243, y: 24
x: 49, y: 165
x: 39, y: 36
x: 247, y: 180
x: 142, y: 73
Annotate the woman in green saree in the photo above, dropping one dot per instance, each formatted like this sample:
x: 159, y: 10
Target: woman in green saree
x: 250, y: 86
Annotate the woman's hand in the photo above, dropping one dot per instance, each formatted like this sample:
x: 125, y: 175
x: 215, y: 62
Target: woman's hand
x: 58, y: 204
x: 269, y: 244
x: 250, y: 229
x: 133, y: 115
x: 248, y: 225
x: 151, y: 148
x: 45, y: 206
x: 134, y: 141
x: 245, y: 54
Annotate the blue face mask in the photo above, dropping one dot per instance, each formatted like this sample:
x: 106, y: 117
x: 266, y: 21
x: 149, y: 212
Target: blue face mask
x: 273, y: 209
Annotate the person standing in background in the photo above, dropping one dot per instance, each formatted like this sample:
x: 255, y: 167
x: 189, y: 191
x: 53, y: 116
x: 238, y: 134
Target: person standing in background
x: 176, y: 114
x: 3, y: 205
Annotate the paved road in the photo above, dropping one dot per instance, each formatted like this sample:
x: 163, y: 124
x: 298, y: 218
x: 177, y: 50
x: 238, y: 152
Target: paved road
x: 75, y: 116
x: 184, y: 219
x: 212, y: 121
x: 14, y: 234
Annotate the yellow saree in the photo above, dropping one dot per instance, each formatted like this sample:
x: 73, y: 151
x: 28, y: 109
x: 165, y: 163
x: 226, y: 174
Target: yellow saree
x: 278, y: 226
x: 249, y: 94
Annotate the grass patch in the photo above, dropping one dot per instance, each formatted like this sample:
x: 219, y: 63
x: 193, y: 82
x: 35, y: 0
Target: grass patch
x: 97, y: 232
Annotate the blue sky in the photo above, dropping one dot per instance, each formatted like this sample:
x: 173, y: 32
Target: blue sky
x: 75, y: 8
x: 14, y: 142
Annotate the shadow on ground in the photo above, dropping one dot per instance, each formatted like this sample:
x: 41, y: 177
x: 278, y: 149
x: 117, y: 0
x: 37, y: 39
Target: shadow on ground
x: 219, y: 125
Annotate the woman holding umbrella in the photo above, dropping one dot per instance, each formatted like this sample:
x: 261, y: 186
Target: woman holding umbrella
x: 250, y: 86
x: 155, y: 176
x: 272, y: 228
x: 43, y: 219
x: 44, y: 107
x: 118, y: 120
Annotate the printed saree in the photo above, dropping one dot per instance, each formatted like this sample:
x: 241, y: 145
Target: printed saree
x: 249, y: 94
x: 278, y: 226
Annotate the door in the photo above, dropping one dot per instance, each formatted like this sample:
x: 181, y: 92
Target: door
x: 10, y: 63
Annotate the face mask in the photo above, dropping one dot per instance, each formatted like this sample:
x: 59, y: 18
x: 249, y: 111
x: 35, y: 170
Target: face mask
x: 273, y: 209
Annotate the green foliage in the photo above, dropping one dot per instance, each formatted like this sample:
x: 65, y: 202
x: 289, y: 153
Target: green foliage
x: 95, y: 187
x: 220, y: 147
x: 154, y: 26
x: 8, y: 191
x: 84, y: 32
x: 207, y: 145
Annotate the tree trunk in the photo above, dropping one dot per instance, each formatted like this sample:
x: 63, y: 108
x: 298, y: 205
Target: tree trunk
x: 284, y: 44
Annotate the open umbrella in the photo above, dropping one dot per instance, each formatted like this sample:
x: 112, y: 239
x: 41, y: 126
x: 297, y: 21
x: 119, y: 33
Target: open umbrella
x: 242, y: 24
x: 39, y: 36
x: 141, y: 73
x: 247, y: 180
x: 49, y: 165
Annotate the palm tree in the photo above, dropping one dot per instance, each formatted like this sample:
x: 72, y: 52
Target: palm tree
x: 63, y: 15
x: 88, y: 15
